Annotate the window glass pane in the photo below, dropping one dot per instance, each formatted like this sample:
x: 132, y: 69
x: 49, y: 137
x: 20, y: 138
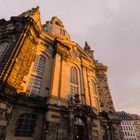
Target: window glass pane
x: 73, y: 76
x: 73, y: 81
x: 39, y: 64
x: 25, y: 127
x: 34, y: 85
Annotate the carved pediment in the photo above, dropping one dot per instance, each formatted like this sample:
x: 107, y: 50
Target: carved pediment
x: 71, y: 50
x: 74, y: 55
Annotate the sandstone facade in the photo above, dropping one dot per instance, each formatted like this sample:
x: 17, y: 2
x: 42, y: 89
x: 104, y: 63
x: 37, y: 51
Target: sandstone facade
x: 51, y: 88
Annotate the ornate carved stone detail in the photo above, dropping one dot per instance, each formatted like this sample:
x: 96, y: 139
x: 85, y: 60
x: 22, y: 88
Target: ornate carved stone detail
x: 84, y: 112
x: 10, y: 27
x: 73, y: 100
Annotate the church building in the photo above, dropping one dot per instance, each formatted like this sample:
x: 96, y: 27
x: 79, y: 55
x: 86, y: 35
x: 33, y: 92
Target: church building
x: 51, y: 88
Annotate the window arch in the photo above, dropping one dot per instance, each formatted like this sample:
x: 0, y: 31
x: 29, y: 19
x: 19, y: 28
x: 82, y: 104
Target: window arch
x: 34, y: 85
x: 73, y: 81
x: 39, y: 64
x: 25, y: 125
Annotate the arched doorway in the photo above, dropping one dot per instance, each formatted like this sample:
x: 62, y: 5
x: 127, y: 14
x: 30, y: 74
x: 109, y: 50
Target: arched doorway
x: 80, y: 129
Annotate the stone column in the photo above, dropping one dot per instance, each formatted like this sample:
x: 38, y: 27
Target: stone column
x: 71, y: 125
x: 89, y: 128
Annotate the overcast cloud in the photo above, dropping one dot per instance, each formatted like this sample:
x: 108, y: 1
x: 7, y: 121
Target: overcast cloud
x: 112, y: 28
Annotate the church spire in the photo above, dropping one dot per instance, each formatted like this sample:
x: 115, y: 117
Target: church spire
x: 87, y: 47
x: 88, y: 50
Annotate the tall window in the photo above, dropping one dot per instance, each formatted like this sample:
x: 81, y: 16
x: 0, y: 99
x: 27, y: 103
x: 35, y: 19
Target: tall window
x: 3, y: 48
x: 25, y: 125
x: 94, y: 87
x: 73, y: 81
x: 34, y: 85
x: 73, y: 75
x: 39, y: 64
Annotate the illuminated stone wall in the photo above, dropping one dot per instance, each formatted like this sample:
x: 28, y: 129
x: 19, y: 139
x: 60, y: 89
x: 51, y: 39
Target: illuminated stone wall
x: 106, y: 103
x: 22, y: 35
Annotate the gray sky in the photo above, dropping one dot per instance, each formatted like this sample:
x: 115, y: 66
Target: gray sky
x: 112, y: 28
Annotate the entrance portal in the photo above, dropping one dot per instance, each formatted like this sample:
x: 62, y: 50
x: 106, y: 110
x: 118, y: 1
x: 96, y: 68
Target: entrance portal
x: 80, y: 129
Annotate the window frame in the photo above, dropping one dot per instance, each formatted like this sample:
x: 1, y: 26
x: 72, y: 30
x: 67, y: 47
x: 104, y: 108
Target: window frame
x: 34, y: 85
x: 73, y: 80
x: 25, y: 125
x: 39, y: 64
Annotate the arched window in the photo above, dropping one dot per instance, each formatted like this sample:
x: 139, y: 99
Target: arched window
x: 73, y: 81
x: 34, y: 85
x: 94, y: 87
x: 39, y: 64
x: 3, y: 47
x: 25, y: 125
x: 73, y: 75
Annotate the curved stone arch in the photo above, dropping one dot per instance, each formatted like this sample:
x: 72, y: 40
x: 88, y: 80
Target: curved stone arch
x: 40, y: 62
x: 76, y: 65
x: 87, y: 119
x: 84, y: 112
x: 47, y: 63
x: 81, y: 114
x: 46, y: 55
x: 93, y: 79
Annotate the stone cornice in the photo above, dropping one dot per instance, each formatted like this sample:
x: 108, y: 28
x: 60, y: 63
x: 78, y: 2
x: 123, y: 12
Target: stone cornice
x: 22, y: 99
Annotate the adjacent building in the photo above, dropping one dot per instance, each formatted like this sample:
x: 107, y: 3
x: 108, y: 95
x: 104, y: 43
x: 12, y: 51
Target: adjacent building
x: 136, y: 124
x: 130, y: 124
x: 50, y: 87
